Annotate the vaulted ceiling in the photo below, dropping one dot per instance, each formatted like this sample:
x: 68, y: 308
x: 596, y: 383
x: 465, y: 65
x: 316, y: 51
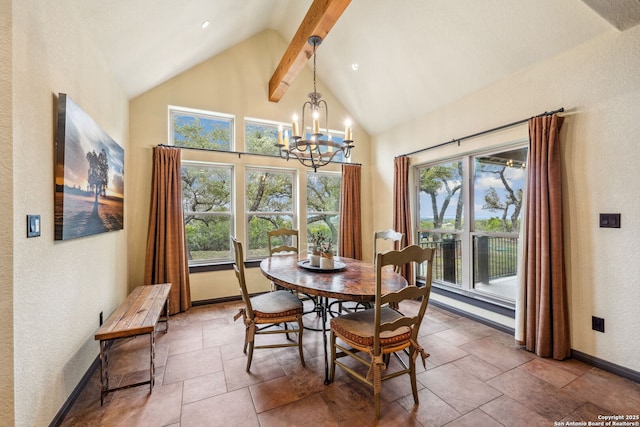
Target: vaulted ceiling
x: 413, y: 56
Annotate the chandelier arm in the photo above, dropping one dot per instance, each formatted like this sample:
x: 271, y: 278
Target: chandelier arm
x: 326, y: 114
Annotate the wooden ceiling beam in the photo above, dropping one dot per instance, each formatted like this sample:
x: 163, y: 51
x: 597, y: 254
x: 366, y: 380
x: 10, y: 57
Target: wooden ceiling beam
x: 320, y: 18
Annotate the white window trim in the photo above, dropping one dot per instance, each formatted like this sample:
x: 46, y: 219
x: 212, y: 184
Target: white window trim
x: 467, y: 286
x: 231, y: 213
x: 295, y: 218
x: 171, y: 109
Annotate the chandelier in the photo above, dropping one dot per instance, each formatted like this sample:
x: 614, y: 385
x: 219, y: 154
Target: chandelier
x: 316, y: 150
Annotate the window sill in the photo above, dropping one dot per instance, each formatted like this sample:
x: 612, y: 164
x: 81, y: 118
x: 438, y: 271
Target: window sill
x: 221, y: 266
x: 475, y: 300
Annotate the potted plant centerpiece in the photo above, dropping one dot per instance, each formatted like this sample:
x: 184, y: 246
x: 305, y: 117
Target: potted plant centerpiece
x: 326, y: 254
x: 317, y: 239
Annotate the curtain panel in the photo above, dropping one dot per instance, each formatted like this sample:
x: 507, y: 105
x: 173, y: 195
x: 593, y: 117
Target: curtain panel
x: 351, y: 212
x: 166, y: 258
x: 402, y: 209
x: 545, y: 305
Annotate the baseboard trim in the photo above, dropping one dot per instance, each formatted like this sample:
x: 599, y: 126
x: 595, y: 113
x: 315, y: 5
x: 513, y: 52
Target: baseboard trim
x: 216, y: 300
x: 66, y: 407
x: 618, y: 370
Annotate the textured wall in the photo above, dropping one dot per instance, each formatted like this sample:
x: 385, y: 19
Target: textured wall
x: 597, y: 83
x: 6, y: 218
x: 59, y: 287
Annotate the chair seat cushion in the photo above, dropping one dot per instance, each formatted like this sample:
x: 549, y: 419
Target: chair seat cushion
x: 358, y: 327
x: 276, y: 304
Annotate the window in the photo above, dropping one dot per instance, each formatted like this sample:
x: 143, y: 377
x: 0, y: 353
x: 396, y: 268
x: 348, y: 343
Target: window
x: 261, y: 137
x: 200, y: 129
x: 270, y: 204
x: 268, y: 199
x: 337, y: 137
x: 498, y: 184
x: 441, y: 218
x: 207, y: 205
x: 323, y: 205
x: 478, y: 255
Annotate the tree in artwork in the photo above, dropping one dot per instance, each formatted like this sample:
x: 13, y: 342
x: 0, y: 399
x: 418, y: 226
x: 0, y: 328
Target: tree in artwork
x: 98, y: 173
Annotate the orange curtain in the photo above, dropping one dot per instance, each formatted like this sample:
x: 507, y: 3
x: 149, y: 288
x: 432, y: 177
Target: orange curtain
x: 402, y: 209
x: 350, y: 213
x: 546, y: 330
x: 166, y: 260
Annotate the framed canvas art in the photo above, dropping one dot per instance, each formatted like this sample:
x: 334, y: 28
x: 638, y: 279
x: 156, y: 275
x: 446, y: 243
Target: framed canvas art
x: 89, y: 176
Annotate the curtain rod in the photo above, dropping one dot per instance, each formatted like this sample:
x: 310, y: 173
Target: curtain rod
x: 546, y: 113
x: 241, y: 153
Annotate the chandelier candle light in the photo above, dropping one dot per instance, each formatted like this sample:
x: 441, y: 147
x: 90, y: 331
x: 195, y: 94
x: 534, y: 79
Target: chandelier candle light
x: 316, y: 151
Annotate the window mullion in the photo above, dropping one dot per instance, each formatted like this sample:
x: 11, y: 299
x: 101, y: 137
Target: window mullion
x: 467, y: 247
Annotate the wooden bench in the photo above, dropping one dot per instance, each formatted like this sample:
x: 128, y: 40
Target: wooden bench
x: 138, y: 314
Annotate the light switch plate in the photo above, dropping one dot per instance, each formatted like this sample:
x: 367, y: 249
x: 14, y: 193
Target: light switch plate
x: 609, y: 220
x: 33, y: 225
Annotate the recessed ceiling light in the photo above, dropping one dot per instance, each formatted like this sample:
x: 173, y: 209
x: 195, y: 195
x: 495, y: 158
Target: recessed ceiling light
x: 354, y: 66
x: 205, y: 24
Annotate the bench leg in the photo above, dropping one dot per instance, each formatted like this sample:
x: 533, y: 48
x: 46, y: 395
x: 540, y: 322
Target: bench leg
x: 104, y: 369
x: 152, y: 362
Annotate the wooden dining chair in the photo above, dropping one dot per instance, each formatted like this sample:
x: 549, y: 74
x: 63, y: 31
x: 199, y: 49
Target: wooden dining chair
x: 391, y: 235
x: 283, y: 240
x: 267, y: 313
x: 381, y: 331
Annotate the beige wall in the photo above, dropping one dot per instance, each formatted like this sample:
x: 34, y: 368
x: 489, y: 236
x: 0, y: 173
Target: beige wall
x: 59, y: 288
x: 6, y: 217
x: 233, y: 82
x: 51, y: 292
x: 598, y: 84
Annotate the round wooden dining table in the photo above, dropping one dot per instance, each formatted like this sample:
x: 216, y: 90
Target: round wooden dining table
x: 350, y: 280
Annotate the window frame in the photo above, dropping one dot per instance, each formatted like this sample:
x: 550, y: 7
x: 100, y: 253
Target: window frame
x: 467, y: 233
x: 209, y: 115
x: 295, y: 217
x: 266, y: 123
x: 231, y: 213
x: 336, y: 245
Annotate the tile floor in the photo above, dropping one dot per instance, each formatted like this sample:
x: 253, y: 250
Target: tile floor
x: 475, y: 376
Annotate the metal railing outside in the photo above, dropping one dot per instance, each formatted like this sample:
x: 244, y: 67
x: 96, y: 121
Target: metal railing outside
x: 493, y: 258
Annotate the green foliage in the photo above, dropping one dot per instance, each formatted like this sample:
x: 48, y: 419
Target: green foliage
x: 512, y: 199
x: 323, y: 205
x: 193, y: 134
x: 259, y: 226
x: 208, y: 233
x: 206, y: 189
x: 261, y: 139
x: 269, y: 191
x: 492, y: 224
x: 432, y: 179
x: 323, y: 192
x: 426, y: 225
x: 443, y: 179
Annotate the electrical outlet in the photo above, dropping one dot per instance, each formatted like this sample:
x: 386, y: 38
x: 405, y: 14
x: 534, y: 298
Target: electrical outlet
x: 597, y: 324
x: 101, y: 321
